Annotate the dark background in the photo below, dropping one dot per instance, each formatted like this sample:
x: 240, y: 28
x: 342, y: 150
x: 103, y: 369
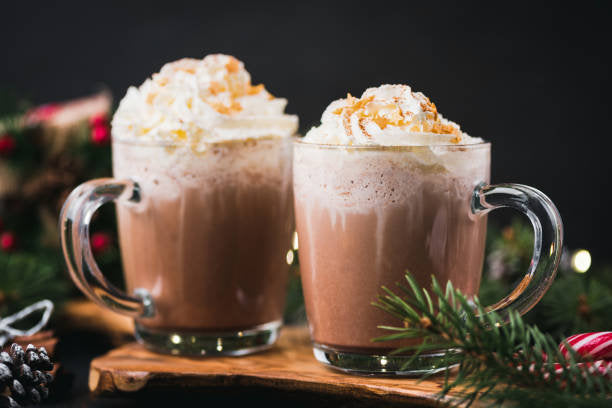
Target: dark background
x: 532, y: 79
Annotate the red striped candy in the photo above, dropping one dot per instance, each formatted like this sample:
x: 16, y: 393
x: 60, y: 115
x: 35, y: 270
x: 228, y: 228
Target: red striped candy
x: 601, y: 367
x: 597, y: 346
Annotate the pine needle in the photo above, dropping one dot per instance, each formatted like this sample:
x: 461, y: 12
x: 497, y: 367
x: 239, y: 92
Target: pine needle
x: 497, y: 362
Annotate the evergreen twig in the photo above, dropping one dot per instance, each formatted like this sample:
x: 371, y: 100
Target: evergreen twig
x: 494, y: 361
x: 26, y: 278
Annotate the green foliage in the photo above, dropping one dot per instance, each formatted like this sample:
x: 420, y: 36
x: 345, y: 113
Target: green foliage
x: 45, y: 165
x: 495, y: 362
x: 25, y: 157
x: 575, y: 303
x: 27, y: 278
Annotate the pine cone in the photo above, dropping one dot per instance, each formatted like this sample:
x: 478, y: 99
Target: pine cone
x: 8, y: 402
x: 25, y: 375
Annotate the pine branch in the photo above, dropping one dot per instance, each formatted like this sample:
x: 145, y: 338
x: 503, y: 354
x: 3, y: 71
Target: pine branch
x: 27, y: 278
x: 499, y: 362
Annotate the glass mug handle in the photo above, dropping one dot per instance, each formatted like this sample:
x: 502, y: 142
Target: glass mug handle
x: 548, y: 237
x: 74, y: 221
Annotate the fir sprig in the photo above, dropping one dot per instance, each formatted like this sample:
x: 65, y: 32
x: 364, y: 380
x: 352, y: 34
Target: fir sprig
x: 26, y: 278
x: 495, y: 360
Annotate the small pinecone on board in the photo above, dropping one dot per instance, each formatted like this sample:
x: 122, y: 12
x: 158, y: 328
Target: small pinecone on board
x: 24, y: 376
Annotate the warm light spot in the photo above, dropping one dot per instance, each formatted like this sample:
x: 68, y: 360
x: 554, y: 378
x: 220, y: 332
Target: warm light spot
x: 189, y: 103
x: 581, y: 261
x: 295, y: 241
x: 175, y: 338
x: 289, y: 257
x: 383, y: 361
x: 219, y: 344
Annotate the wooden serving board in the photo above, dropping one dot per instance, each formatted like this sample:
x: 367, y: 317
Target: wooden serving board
x: 289, y: 366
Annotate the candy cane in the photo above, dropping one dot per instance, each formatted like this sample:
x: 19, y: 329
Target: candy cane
x: 8, y: 332
x: 597, y: 346
x: 602, y: 367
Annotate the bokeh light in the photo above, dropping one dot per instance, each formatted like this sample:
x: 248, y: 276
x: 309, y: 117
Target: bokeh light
x: 295, y: 241
x: 581, y: 261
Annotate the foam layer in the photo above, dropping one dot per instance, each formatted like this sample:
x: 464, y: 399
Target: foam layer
x: 390, y: 115
x: 166, y: 173
x: 197, y: 102
x: 359, y: 180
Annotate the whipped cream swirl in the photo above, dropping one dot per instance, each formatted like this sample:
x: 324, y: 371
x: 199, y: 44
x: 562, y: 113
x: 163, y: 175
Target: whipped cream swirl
x: 390, y: 115
x: 196, y: 102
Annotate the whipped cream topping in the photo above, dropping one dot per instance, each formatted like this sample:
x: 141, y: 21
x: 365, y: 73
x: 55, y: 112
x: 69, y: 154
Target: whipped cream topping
x: 390, y: 115
x: 196, y: 102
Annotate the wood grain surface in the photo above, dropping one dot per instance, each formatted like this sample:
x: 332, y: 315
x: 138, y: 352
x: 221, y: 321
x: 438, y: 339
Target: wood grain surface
x: 289, y: 366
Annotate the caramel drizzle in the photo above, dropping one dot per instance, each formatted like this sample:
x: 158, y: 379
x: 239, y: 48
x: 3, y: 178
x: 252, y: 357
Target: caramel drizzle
x: 390, y: 114
x: 235, y: 87
x: 232, y: 83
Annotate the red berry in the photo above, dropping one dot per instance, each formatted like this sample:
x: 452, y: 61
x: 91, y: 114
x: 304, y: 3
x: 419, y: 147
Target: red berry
x: 8, y: 242
x: 98, y: 120
x: 100, y: 135
x: 7, y: 144
x: 100, y: 242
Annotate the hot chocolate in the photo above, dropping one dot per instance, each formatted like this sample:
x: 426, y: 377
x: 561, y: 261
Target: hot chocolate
x: 202, y: 160
x: 382, y: 186
x: 386, y: 185
x: 367, y: 215
x: 209, y: 236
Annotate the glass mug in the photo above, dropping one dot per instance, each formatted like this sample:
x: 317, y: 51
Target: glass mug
x: 365, y: 215
x: 203, y: 238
